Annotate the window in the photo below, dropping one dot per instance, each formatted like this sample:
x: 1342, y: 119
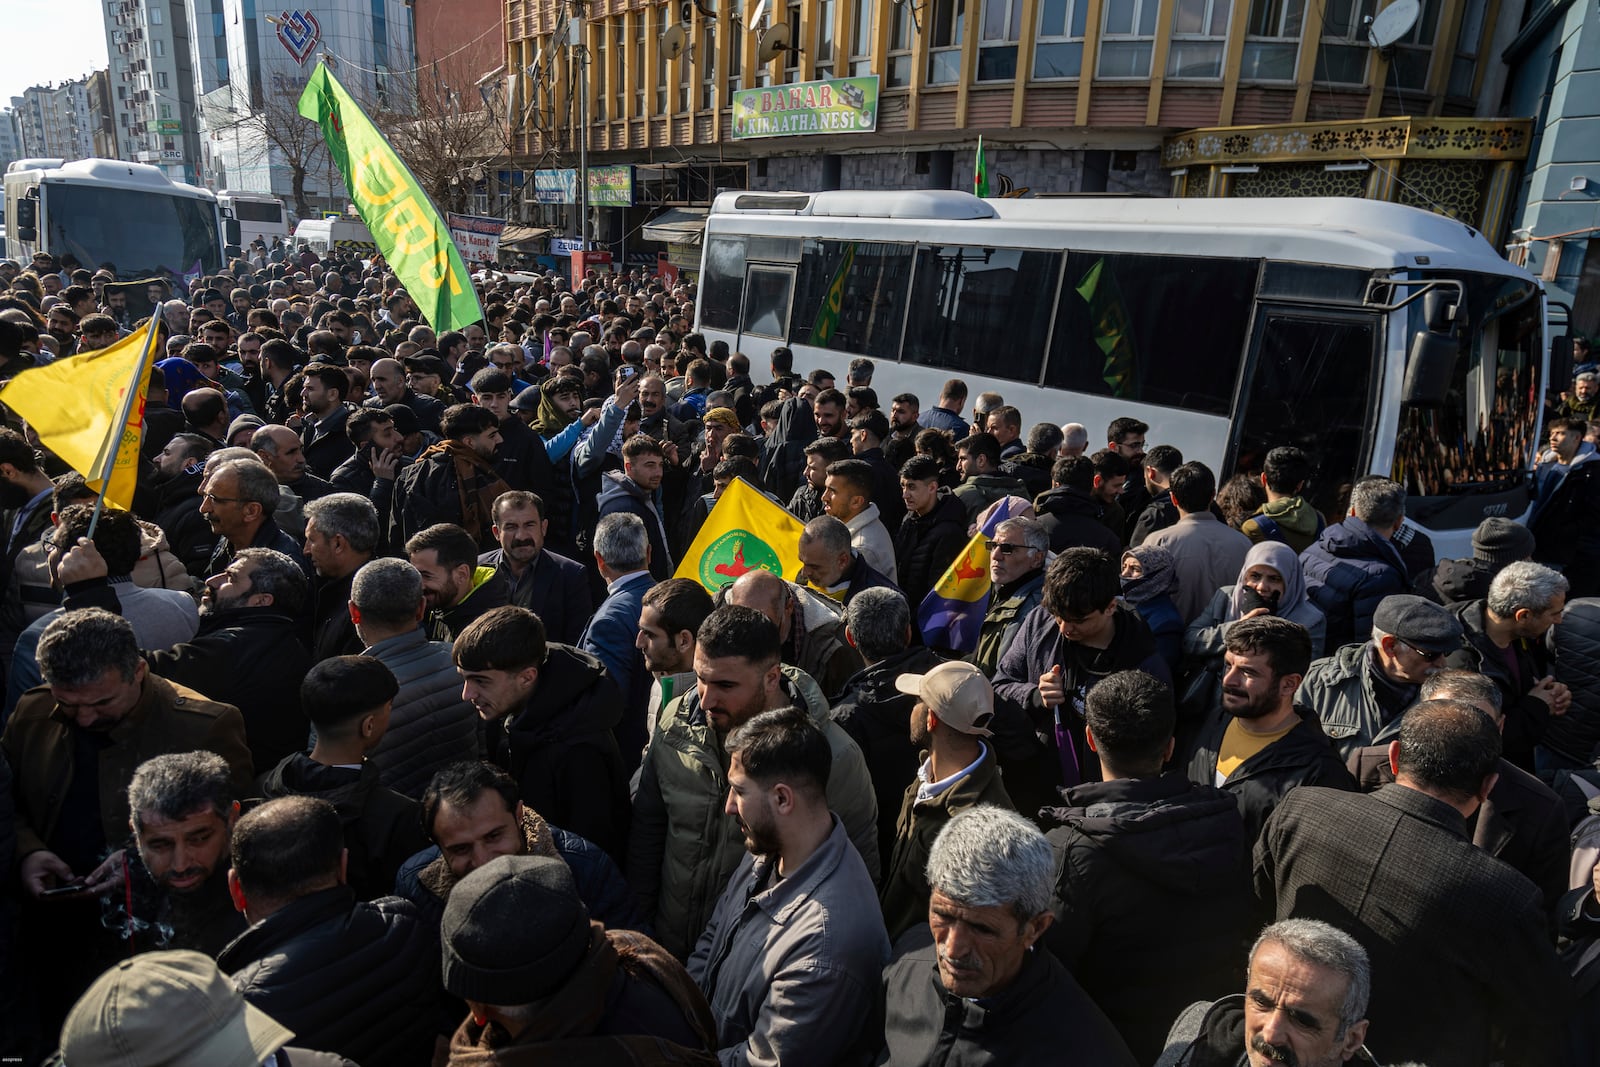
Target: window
x: 1413, y: 53
x: 155, y: 15
x: 900, y: 70
x: 977, y: 310
x: 1342, y: 52
x: 161, y: 79
x: 1199, y: 36
x: 619, y: 88
x: 791, y: 57
x: 861, y: 39
x: 999, y: 30
x: 164, y: 111
x: 638, y: 61
x: 945, y: 23
x: 1463, y: 68
x: 158, y: 48
x: 1113, y: 334
x: 1272, y: 40
x: 822, y: 46
x: 723, y: 283
x: 851, y: 296
x: 1128, y: 36
x: 660, y: 27
x: 735, y: 58
x: 766, y: 301
x: 708, y: 65
x: 1059, y: 51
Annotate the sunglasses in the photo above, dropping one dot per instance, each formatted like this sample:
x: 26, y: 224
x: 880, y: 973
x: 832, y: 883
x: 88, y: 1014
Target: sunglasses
x: 1430, y: 657
x: 1003, y: 548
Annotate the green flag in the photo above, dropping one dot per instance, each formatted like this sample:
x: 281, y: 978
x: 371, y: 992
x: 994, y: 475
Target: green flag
x: 404, y: 223
x: 980, y: 172
x: 827, y: 321
x: 1112, y: 329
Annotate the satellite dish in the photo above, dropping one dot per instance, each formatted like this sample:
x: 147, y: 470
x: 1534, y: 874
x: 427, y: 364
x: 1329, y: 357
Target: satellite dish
x: 1393, y: 23
x: 673, y: 42
x: 774, y: 41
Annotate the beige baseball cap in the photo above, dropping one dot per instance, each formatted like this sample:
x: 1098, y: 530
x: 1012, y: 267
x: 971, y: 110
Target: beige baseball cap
x: 172, y: 1008
x: 957, y: 693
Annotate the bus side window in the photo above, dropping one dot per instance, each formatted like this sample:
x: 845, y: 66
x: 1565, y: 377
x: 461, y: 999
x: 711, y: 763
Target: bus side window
x: 1158, y: 329
x: 982, y: 310
x: 851, y: 296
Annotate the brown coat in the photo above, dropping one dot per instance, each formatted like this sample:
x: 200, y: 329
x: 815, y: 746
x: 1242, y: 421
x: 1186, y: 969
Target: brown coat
x: 168, y: 718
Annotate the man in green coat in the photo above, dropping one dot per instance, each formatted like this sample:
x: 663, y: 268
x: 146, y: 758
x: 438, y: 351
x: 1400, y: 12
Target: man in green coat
x: 954, y: 705
x: 683, y: 845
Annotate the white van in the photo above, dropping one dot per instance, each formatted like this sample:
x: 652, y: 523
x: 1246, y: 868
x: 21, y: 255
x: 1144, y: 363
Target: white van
x: 323, y: 234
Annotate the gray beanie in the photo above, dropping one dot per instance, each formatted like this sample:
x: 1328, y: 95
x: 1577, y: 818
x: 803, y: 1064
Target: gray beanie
x: 251, y: 422
x: 1498, y: 541
x: 513, y: 930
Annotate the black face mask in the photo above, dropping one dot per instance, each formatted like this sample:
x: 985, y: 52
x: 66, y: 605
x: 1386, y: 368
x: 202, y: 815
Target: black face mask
x: 1250, y: 600
x: 13, y: 495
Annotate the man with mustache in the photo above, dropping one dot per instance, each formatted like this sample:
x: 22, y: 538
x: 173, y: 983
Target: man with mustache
x: 974, y: 985
x: 1304, y: 1005
x: 548, y: 584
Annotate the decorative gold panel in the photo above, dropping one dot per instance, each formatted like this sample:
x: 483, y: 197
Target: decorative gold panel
x: 1405, y: 138
x: 1451, y: 187
x: 1299, y: 179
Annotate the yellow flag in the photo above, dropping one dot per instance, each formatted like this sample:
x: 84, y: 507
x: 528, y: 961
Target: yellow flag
x: 84, y: 406
x: 744, y: 532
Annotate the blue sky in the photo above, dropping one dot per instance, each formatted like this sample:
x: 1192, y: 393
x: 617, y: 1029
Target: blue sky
x: 50, y: 41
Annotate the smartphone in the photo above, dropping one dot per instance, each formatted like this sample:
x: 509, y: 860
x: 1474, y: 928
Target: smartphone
x: 626, y: 372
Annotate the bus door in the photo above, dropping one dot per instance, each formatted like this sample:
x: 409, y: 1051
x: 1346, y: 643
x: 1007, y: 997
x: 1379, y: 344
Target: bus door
x: 768, y: 293
x: 1311, y: 381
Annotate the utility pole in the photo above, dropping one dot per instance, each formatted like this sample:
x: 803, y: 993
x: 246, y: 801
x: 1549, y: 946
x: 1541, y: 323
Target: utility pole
x: 580, y: 55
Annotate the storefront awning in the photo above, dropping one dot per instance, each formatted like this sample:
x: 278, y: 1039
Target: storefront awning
x: 677, y: 226
x: 522, y: 238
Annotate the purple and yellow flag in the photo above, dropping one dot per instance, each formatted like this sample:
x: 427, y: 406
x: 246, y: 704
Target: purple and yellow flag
x: 951, y: 615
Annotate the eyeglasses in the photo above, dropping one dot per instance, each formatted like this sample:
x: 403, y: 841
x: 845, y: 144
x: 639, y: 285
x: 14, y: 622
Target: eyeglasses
x: 1430, y: 657
x: 214, y: 499
x: 1005, y: 549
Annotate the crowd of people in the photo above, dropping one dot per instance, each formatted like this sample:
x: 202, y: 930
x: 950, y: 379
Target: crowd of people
x: 379, y: 730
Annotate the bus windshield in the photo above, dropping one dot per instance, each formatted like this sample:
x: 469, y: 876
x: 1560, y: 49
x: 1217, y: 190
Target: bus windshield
x: 1468, y: 459
x: 137, y: 234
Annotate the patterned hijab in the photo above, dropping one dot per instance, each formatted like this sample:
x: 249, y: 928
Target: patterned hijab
x: 1160, y: 575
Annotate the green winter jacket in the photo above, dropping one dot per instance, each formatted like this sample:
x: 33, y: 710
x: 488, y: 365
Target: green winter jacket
x: 683, y: 848
x: 1290, y: 520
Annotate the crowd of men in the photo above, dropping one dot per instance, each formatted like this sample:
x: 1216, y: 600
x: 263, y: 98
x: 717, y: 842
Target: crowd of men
x: 379, y: 730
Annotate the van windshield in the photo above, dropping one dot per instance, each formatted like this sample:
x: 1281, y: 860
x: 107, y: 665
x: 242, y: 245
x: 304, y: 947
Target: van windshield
x: 134, y: 233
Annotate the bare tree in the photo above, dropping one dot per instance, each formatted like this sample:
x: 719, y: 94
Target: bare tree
x: 450, y: 127
x: 272, y: 123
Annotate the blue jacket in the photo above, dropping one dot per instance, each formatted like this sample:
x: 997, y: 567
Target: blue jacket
x: 610, y: 637
x: 1348, y: 572
x: 1166, y: 626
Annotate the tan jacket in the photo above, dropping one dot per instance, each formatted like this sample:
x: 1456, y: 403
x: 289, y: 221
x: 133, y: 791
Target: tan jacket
x: 168, y: 718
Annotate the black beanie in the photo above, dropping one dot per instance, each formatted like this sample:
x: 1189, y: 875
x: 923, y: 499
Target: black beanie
x: 1499, y: 541
x: 513, y: 930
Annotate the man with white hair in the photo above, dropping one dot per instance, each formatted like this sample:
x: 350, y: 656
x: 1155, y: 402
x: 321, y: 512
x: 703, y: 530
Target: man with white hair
x: 1305, y: 1003
x: 1504, y: 635
x: 973, y: 986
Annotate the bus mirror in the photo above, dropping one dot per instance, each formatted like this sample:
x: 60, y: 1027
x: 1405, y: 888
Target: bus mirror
x: 27, y: 220
x: 1561, y: 360
x: 1439, y: 308
x: 1430, y: 369
x: 231, y: 232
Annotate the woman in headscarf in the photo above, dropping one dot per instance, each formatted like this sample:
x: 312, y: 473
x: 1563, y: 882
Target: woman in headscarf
x: 1270, y: 583
x: 1148, y: 581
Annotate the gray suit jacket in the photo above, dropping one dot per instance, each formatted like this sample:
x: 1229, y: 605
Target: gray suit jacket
x: 1462, y: 959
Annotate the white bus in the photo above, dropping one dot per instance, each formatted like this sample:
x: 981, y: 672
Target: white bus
x: 1379, y: 338
x: 127, y: 217
x: 248, y: 217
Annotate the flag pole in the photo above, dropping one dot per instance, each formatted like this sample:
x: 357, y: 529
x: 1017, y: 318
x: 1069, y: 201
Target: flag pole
x: 120, y: 426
